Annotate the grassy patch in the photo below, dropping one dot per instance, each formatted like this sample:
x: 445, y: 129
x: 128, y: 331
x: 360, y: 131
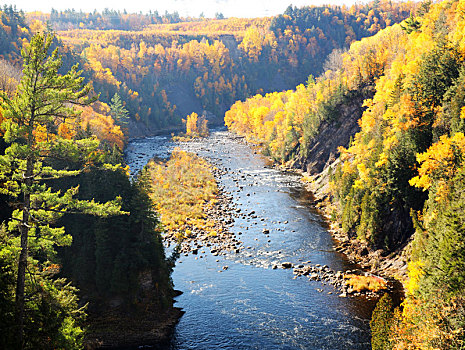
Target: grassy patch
x: 182, y: 189
x: 365, y: 283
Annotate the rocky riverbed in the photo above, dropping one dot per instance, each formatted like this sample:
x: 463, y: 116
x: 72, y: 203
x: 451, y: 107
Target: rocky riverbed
x: 272, y: 278
x: 222, y: 216
x: 372, y: 263
x: 224, y: 213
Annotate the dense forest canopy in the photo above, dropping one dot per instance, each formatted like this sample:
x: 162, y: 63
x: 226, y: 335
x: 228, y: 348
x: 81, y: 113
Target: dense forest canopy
x: 57, y: 143
x: 165, y: 67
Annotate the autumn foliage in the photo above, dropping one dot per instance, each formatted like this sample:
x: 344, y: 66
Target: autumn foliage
x: 166, y: 67
x: 285, y: 122
x: 401, y: 176
x: 406, y: 166
x: 403, y: 173
x: 181, y: 190
x: 14, y: 32
x: 97, y: 120
x: 361, y: 283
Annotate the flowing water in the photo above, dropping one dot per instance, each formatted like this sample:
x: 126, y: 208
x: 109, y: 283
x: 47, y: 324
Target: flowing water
x: 237, y: 301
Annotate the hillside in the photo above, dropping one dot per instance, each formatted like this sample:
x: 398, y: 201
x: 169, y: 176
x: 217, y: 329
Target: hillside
x: 396, y: 183
x: 367, y: 101
x: 165, y: 67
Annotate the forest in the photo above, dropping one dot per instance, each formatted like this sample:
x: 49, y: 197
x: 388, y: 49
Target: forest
x: 62, y: 167
x: 78, y: 232
x: 205, y: 65
x: 398, y: 181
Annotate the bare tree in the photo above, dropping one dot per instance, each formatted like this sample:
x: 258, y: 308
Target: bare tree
x: 9, y: 77
x: 334, y: 60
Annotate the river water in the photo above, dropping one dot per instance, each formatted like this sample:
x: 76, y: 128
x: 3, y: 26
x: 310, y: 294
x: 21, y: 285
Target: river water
x: 237, y: 301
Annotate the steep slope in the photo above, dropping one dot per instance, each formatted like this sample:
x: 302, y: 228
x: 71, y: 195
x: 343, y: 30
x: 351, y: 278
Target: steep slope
x: 135, y: 276
x: 399, y: 183
x: 216, y: 62
x: 323, y: 149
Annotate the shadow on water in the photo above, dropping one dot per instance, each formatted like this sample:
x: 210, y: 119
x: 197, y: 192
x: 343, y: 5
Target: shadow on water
x: 249, y: 305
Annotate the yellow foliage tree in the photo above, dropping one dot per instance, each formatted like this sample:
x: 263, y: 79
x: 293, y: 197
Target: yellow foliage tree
x: 191, y: 124
x: 440, y: 163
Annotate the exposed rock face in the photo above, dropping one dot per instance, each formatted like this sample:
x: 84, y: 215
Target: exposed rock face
x: 126, y: 330
x: 386, y: 263
x: 323, y: 150
x: 231, y: 44
x: 148, y: 321
x: 323, y: 156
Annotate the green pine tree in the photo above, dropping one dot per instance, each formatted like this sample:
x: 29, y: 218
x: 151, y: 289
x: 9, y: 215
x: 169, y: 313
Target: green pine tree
x: 44, y: 99
x: 380, y: 324
x: 119, y: 111
x: 444, y: 253
x: 411, y: 24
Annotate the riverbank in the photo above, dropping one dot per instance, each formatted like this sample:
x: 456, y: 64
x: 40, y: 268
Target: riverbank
x: 139, y: 130
x: 235, y: 299
x: 195, y: 212
x: 130, y: 330
x: 225, y: 212
x: 390, y: 265
x: 221, y: 216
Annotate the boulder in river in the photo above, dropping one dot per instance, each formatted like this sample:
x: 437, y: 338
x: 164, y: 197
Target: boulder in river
x: 314, y: 276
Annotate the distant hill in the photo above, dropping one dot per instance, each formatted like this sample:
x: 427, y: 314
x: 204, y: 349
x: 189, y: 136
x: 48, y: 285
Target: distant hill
x: 146, y: 57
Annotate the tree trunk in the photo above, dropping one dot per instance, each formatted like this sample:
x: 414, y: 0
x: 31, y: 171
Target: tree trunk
x: 22, y: 263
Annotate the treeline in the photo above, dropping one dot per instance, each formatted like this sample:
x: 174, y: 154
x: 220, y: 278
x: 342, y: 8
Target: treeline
x: 164, y: 72
x: 307, y: 35
x: 76, y: 235
x: 286, y: 122
x: 108, y: 19
x: 97, y: 118
x: 13, y: 32
x: 402, y: 174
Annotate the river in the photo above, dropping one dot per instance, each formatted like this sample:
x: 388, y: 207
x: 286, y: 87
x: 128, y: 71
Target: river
x: 237, y: 301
